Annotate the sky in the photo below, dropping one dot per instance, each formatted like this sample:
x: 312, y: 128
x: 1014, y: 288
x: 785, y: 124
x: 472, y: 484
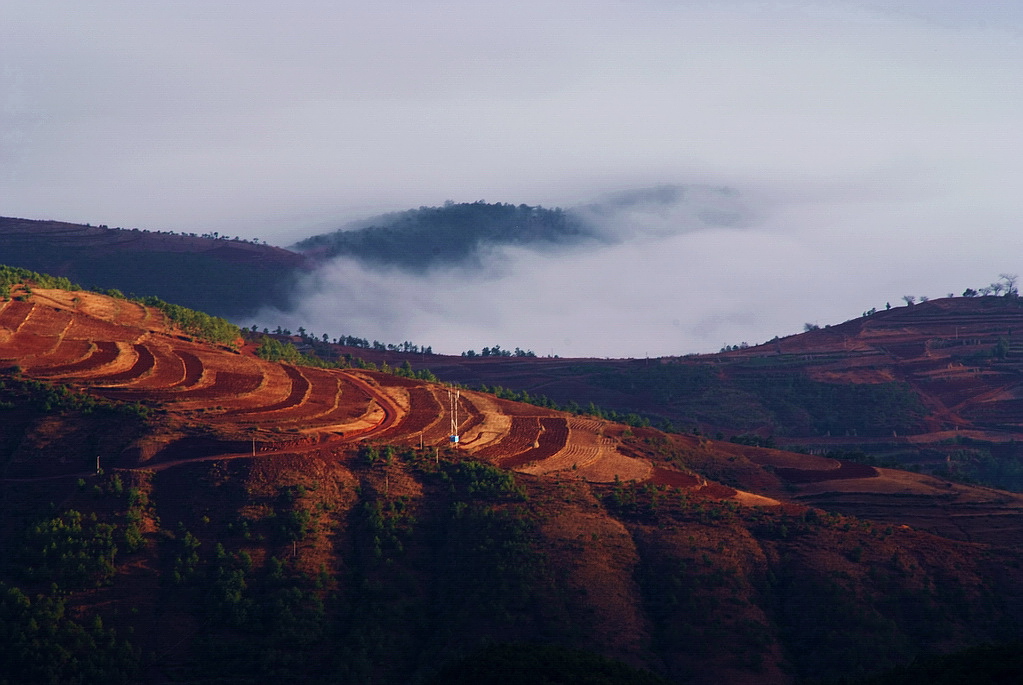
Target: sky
x: 874, y: 147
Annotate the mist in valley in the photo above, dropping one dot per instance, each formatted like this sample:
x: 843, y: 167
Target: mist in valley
x: 676, y: 270
x: 871, y: 150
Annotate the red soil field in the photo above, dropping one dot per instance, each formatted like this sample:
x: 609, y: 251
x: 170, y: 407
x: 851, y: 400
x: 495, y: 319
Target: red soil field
x: 143, y: 364
x: 243, y: 390
x: 322, y: 397
x: 168, y: 371
x: 46, y: 321
x: 193, y: 368
x: 27, y: 346
x: 352, y: 403
x: 717, y: 491
x: 225, y: 387
x: 299, y: 389
x: 135, y: 315
x: 425, y: 410
x: 847, y: 470
x: 550, y: 440
x: 66, y: 352
x: 87, y: 328
x: 467, y: 409
x: 14, y: 314
x: 521, y: 437
x: 104, y: 353
x: 677, y: 479
x: 517, y: 408
x: 304, y: 408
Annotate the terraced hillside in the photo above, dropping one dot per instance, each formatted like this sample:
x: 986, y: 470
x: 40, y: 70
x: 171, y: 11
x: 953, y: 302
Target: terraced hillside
x: 227, y: 401
x: 206, y: 515
x: 120, y: 350
x: 935, y: 386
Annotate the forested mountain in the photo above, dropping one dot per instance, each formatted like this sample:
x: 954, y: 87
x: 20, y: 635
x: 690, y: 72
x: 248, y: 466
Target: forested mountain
x: 455, y: 234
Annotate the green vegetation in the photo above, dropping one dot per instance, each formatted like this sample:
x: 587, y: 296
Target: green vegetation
x: 273, y: 349
x: 72, y: 550
x: 10, y: 275
x: 41, y: 643
x: 496, y: 351
x: 979, y: 465
x: 483, y: 481
x: 630, y: 418
x: 57, y: 398
x: 210, y: 328
x: 448, y: 235
x: 412, y: 566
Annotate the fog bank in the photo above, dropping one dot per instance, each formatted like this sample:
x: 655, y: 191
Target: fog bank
x: 670, y: 284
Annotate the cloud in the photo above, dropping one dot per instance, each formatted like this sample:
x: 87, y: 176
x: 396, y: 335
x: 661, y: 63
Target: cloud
x: 664, y: 210
x: 875, y: 146
x: 664, y: 287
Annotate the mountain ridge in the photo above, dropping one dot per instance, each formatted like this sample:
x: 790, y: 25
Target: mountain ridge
x: 226, y: 277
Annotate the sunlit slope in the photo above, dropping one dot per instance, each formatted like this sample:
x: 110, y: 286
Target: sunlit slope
x: 331, y: 508
x: 124, y: 351
x: 220, y: 400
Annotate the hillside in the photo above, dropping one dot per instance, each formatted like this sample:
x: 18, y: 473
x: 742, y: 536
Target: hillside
x: 934, y: 386
x: 258, y: 519
x: 452, y: 235
x: 226, y: 277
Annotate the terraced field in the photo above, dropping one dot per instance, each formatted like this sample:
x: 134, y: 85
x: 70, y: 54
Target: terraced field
x: 224, y: 402
x: 228, y: 403
x: 123, y: 351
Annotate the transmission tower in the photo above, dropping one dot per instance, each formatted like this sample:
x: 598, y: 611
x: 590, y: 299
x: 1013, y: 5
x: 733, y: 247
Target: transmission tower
x: 453, y: 401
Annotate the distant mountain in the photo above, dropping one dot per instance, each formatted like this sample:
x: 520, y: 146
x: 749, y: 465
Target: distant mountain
x: 226, y: 277
x: 461, y: 234
x: 455, y: 234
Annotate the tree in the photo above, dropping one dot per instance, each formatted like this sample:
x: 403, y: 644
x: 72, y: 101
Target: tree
x: 1009, y: 284
x: 910, y: 299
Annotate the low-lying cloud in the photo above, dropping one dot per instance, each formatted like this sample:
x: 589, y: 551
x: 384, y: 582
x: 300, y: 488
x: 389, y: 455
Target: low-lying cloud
x: 763, y: 264
x: 875, y: 149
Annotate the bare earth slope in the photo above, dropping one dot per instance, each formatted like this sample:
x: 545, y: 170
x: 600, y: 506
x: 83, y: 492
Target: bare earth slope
x: 935, y: 386
x: 314, y: 521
